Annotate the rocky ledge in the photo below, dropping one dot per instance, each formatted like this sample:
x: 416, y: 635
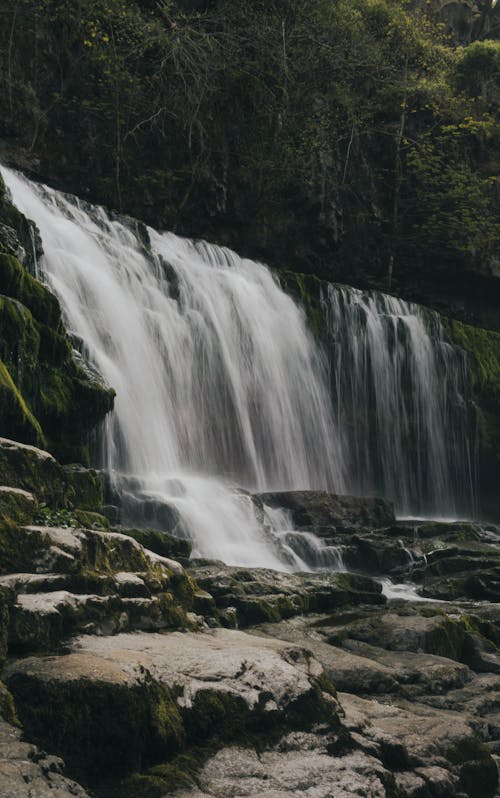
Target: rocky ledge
x: 136, y: 670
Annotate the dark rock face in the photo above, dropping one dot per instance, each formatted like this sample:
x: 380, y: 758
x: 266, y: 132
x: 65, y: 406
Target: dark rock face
x: 46, y: 395
x: 317, y: 509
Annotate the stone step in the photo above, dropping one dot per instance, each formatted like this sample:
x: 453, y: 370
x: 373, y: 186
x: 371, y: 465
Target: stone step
x: 39, y: 621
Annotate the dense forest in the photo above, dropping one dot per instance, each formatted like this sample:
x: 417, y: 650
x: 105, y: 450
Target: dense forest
x: 352, y: 139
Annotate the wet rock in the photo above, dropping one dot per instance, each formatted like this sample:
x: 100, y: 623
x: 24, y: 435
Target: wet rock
x: 162, y: 543
x: 260, y: 595
x: 319, y: 509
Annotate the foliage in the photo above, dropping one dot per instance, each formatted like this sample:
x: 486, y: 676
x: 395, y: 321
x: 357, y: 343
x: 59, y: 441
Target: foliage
x: 50, y: 516
x: 294, y: 130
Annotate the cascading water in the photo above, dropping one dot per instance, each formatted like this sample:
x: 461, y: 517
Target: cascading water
x: 401, y: 392
x: 218, y: 381
x: 222, y: 390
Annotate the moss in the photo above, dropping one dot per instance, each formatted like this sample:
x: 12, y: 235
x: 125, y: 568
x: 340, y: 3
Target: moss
x: 17, y: 283
x: 16, y: 507
x: 478, y: 770
x: 307, y: 289
x: 17, y: 551
x: 85, y: 485
x: 7, y: 706
x: 482, y: 627
x: 483, y: 349
x: 19, y: 335
x: 4, y: 625
x: 102, y: 730
x: 16, y: 417
x: 34, y: 471
x: 446, y: 639
x: 90, y: 520
x: 162, y: 543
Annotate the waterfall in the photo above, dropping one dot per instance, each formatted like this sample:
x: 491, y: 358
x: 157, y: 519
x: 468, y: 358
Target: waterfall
x: 402, y: 397
x: 221, y: 389
x: 218, y: 381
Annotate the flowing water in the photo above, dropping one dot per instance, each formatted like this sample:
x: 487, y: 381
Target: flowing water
x: 221, y: 388
x: 402, y: 397
x: 218, y: 380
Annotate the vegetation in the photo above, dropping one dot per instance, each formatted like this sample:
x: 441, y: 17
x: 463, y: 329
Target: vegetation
x: 351, y: 139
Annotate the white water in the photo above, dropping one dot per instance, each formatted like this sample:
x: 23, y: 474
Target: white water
x: 220, y: 386
x: 218, y: 381
x: 402, y: 394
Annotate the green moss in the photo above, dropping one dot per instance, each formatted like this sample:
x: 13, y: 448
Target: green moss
x: 4, y: 623
x: 17, y: 283
x: 17, y: 507
x: 86, y: 491
x: 7, y: 706
x: 90, y: 520
x: 306, y: 290
x: 446, y: 639
x: 162, y: 543
x: 483, y: 346
x: 17, y: 551
x: 482, y: 627
x: 16, y: 418
x: 102, y: 730
x: 19, y: 336
x: 478, y: 770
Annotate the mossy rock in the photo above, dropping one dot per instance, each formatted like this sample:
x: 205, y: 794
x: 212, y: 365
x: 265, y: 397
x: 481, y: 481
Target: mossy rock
x: 7, y: 706
x: 307, y: 290
x: 4, y: 625
x: 33, y: 470
x: 478, y: 770
x: 162, y: 543
x: 19, y: 549
x: 19, y: 334
x: 446, y: 639
x: 100, y: 729
x: 85, y: 487
x: 17, y: 283
x: 483, y: 349
x: 16, y: 417
x: 17, y: 505
x: 90, y: 520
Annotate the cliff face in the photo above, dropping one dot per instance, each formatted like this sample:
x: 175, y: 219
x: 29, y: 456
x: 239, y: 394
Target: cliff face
x: 356, y: 140
x: 46, y: 395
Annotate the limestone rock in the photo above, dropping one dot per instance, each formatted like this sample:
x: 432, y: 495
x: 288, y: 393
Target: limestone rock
x: 27, y: 772
x: 159, y: 690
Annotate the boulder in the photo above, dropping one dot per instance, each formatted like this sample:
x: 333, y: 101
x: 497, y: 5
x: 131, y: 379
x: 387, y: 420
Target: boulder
x: 116, y: 704
x: 319, y: 509
x: 258, y: 594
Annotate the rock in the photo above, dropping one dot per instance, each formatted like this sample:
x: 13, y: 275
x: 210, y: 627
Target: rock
x: 347, y: 671
x: 17, y: 505
x: 85, y: 487
x: 305, y: 769
x: 33, y: 470
x: 319, y: 509
x: 161, y: 690
x: 260, y: 595
x: 162, y: 543
x: 27, y: 772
